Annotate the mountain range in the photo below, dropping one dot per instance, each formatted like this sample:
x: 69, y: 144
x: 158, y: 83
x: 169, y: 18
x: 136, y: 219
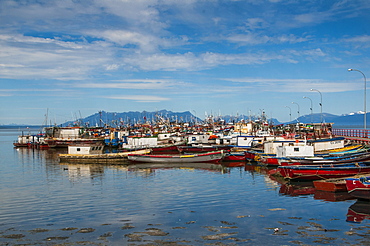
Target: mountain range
x: 102, y: 118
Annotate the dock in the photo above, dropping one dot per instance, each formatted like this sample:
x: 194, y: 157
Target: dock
x: 356, y: 136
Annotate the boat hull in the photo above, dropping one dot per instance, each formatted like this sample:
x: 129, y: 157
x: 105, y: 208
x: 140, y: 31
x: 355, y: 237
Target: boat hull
x: 235, y: 156
x: 359, y: 187
x: 204, y: 148
x: 213, y: 157
x: 99, y: 158
x: 315, y: 172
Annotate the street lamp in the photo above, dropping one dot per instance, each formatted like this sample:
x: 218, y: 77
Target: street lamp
x: 290, y: 113
x: 349, y: 70
x: 297, y: 111
x: 310, y: 108
x: 320, y: 102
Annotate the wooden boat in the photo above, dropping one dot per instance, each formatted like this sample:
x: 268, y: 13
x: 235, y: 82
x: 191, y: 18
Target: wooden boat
x: 343, y: 150
x: 235, y: 156
x: 350, y: 158
x: 99, y: 158
x: 315, y: 172
x: 268, y: 159
x: 202, y: 148
x: 359, y: 187
x: 253, y: 153
x: 214, y: 157
x: 332, y: 185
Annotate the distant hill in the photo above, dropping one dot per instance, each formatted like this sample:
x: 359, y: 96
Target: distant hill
x: 113, y: 118
x: 355, y: 120
x: 102, y: 118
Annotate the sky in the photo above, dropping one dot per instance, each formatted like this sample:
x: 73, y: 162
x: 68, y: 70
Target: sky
x: 62, y: 60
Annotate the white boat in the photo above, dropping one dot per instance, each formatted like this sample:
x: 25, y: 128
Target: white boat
x: 214, y: 157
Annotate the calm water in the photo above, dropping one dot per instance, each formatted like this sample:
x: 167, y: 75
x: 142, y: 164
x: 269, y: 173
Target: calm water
x: 46, y: 203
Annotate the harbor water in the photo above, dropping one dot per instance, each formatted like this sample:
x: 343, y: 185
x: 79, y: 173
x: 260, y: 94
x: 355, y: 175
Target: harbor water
x: 44, y: 202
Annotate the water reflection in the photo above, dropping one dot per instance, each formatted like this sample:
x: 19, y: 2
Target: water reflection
x: 332, y: 196
x: 83, y: 171
x: 254, y: 168
x: 300, y: 189
x: 359, y: 211
x: 151, y: 167
x: 234, y: 164
x: 96, y: 172
x: 223, y: 204
x: 28, y: 154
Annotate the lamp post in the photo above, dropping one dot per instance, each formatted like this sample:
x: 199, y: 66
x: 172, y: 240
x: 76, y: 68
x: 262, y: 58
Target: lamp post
x: 310, y: 108
x: 297, y: 111
x: 349, y: 70
x: 320, y: 102
x: 290, y: 113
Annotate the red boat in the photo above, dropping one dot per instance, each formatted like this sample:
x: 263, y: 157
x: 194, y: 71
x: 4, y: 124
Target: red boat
x: 315, y: 172
x: 359, y: 187
x: 269, y: 160
x: 235, y: 156
x: 359, y: 157
x: 165, y: 149
x: 202, y: 148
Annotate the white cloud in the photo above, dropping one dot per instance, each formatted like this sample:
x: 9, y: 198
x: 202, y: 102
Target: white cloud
x: 139, y: 98
x: 256, y: 23
x: 192, y: 62
x: 144, y: 84
x: 358, y: 39
x: 146, y: 42
x: 295, y: 85
x: 36, y: 58
x: 254, y: 38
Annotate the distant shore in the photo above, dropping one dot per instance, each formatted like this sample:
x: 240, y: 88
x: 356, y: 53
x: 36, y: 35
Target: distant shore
x: 39, y: 126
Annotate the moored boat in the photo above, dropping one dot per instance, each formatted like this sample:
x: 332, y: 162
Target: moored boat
x: 315, y: 172
x: 235, y: 156
x: 359, y: 187
x: 358, y: 157
x: 214, y: 157
x: 202, y: 148
x: 110, y: 158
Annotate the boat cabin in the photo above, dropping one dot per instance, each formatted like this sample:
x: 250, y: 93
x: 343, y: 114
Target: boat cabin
x: 327, y: 143
x: 294, y: 151
x: 139, y: 142
x: 197, y: 139
x: 271, y: 146
x: 85, y: 150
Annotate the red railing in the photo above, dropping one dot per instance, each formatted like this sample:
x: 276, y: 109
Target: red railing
x: 355, y: 133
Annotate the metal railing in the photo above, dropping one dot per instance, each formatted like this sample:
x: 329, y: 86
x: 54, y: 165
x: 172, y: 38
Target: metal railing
x: 355, y: 133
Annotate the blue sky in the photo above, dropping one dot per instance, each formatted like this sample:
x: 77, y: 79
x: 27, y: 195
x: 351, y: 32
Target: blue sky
x: 74, y: 58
